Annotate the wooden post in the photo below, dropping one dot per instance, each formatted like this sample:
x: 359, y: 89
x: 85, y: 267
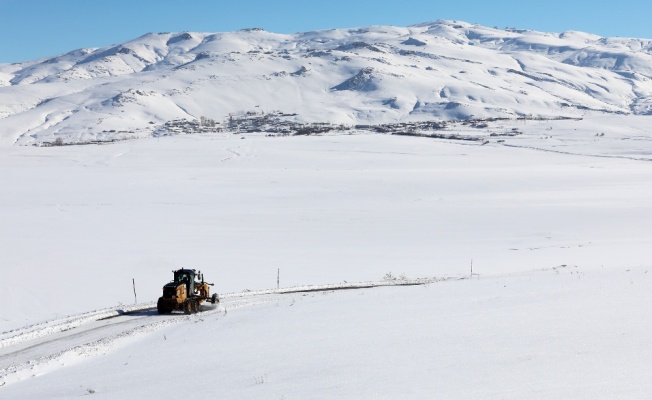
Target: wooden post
x: 471, y: 268
x: 278, y: 278
x: 133, y: 280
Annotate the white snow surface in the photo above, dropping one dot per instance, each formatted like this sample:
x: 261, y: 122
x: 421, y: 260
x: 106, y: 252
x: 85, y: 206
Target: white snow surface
x: 440, y: 70
x: 561, y: 333
x: 555, y: 221
x: 374, y: 234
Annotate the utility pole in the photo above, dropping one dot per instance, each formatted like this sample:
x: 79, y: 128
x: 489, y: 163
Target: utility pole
x: 133, y: 280
x: 278, y: 278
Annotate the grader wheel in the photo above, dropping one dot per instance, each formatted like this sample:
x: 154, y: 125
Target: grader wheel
x: 162, y: 307
x: 187, y: 307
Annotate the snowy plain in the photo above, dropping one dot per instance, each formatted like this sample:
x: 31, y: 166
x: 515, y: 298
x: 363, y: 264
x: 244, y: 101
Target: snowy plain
x: 553, y: 215
x: 558, y: 236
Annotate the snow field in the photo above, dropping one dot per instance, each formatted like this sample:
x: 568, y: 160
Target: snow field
x: 86, y: 220
x: 556, y: 222
x: 560, y: 333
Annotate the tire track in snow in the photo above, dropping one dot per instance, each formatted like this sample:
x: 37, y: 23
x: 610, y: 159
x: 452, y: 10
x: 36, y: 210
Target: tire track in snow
x: 570, y: 153
x: 232, y: 151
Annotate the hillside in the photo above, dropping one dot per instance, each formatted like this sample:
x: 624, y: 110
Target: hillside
x: 444, y: 70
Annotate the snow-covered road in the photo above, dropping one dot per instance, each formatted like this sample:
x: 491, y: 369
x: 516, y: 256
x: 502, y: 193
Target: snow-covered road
x: 95, y: 332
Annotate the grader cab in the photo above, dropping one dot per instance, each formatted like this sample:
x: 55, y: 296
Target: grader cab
x: 185, y: 293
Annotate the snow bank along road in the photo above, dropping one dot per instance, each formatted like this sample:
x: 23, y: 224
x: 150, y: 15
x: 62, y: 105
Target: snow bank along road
x: 48, y: 343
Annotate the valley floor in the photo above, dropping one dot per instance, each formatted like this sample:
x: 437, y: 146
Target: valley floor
x: 555, y: 222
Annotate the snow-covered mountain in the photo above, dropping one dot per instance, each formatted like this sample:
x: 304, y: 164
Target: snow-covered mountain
x: 437, y: 70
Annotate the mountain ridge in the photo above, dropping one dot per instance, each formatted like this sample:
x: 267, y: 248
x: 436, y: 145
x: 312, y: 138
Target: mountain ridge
x: 440, y: 70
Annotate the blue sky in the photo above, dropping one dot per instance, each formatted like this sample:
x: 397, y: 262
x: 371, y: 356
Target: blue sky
x: 36, y: 28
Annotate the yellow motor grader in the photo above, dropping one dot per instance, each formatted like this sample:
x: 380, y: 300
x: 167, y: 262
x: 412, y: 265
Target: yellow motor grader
x: 185, y: 293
